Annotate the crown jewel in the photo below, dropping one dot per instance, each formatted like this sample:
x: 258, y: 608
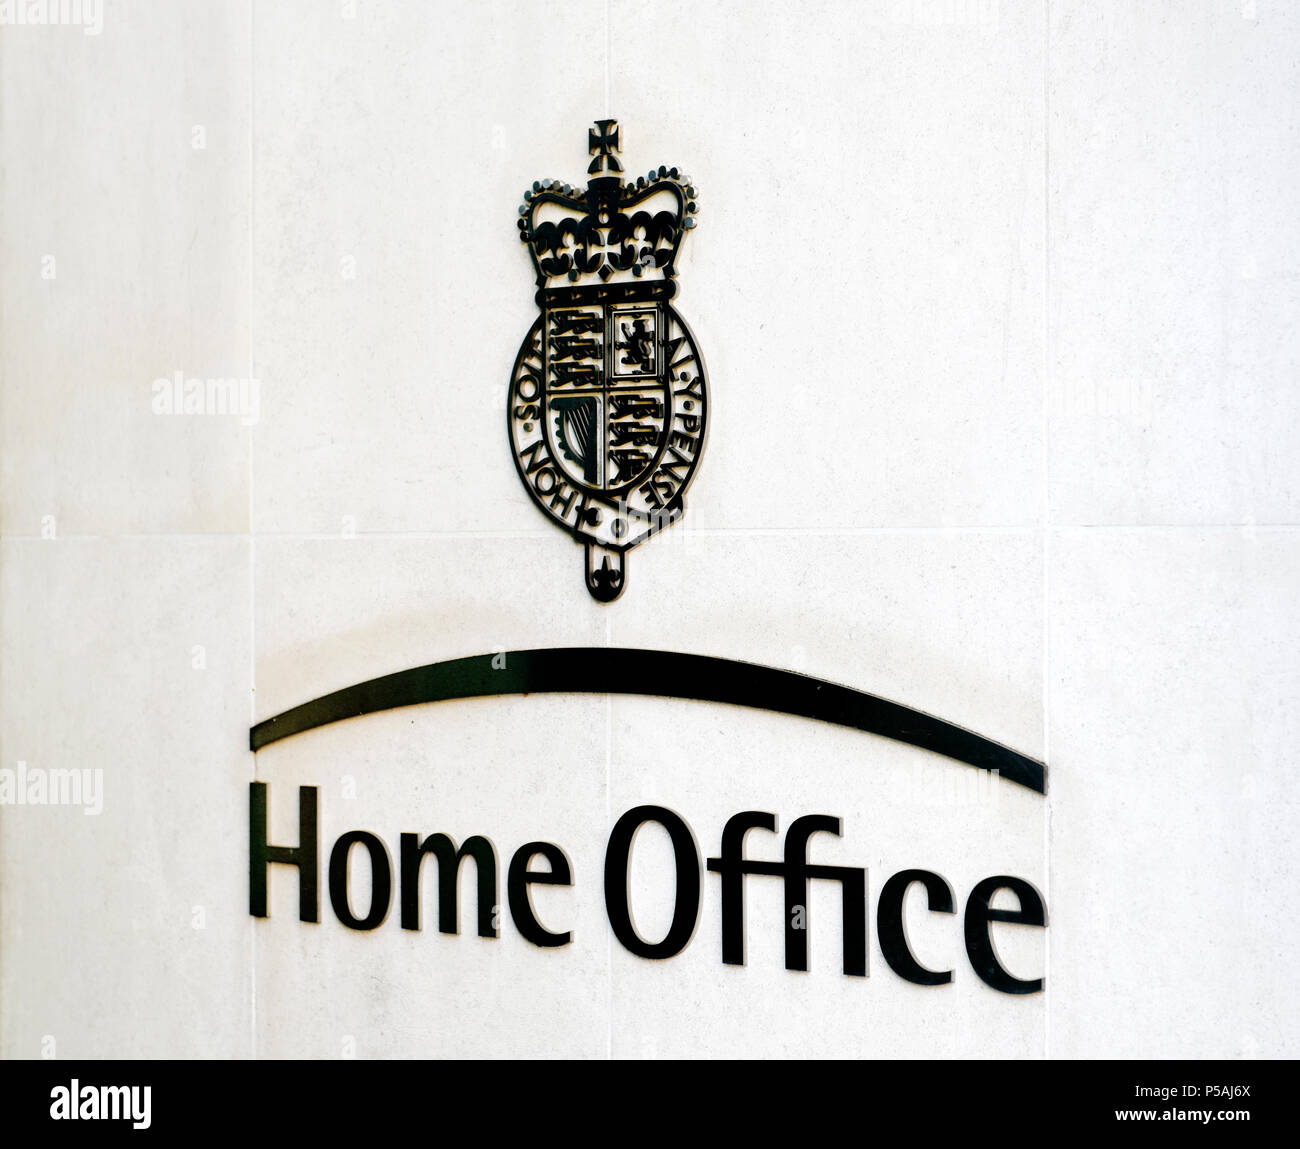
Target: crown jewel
x: 611, y: 231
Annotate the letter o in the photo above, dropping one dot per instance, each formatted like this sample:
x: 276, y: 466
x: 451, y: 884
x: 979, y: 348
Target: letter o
x: 686, y: 905
x: 381, y: 880
x: 519, y: 388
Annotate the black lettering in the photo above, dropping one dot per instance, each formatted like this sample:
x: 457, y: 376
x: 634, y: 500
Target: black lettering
x: 979, y: 940
x: 796, y: 871
x: 892, y: 932
x: 520, y: 877
x: 534, y: 385
x: 303, y: 855
x: 381, y: 880
x: 733, y: 866
x: 536, y: 458
x: 686, y: 906
x: 562, y: 503
x: 449, y: 859
x: 853, y: 885
x: 679, y: 460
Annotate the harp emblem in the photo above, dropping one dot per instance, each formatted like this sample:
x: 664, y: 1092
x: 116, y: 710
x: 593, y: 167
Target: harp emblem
x: 607, y: 404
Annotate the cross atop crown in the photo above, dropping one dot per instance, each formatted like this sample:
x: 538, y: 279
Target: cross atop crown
x: 602, y: 142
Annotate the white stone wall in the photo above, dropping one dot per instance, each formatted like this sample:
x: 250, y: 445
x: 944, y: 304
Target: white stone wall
x: 998, y: 305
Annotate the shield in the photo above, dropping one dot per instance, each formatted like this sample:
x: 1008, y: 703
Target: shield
x: 607, y: 407
x: 605, y: 392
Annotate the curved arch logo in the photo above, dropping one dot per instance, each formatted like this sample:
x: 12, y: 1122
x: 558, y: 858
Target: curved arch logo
x: 602, y: 670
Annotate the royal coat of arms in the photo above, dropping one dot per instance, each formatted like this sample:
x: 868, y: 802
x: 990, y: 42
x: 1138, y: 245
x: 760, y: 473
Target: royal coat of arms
x: 607, y: 405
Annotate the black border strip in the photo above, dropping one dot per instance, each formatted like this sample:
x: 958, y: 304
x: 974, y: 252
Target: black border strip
x: 665, y: 673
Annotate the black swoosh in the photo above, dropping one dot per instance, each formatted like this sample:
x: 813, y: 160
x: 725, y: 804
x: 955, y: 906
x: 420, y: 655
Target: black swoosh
x: 605, y: 670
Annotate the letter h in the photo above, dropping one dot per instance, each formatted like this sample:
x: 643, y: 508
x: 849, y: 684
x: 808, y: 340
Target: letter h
x: 303, y: 855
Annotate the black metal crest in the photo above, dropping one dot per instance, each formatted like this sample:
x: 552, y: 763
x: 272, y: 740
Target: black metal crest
x: 607, y: 405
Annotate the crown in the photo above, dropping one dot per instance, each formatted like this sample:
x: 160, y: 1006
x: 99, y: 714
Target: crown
x: 613, y: 231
